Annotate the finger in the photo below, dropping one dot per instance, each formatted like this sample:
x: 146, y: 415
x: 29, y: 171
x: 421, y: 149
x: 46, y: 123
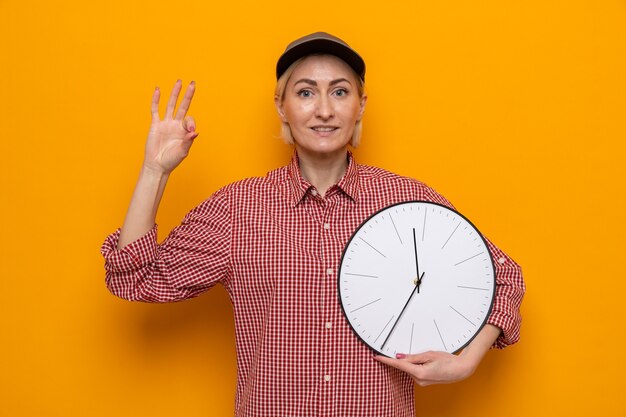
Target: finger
x: 155, y: 104
x: 396, y: 363
x: 415, y: 371
x: 186, y: 102
x: 171, y: 104
x: 189, y: 124
x: 417, y: 357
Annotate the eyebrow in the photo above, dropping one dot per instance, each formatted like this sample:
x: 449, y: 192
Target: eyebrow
x: 314, y: 83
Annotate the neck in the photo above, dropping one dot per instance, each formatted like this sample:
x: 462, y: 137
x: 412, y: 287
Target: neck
x: 323, y: 171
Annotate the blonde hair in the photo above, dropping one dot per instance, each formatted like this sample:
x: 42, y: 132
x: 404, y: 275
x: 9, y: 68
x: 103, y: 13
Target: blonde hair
x: 281, y: 86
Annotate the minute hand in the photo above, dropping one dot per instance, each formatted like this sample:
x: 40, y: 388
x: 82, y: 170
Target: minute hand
x: 416, y: 289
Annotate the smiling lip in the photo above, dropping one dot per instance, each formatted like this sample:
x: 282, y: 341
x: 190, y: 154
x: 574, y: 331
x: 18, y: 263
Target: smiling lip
x: 324, y: 130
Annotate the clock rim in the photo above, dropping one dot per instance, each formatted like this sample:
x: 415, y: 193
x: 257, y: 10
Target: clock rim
x: 364, y: 222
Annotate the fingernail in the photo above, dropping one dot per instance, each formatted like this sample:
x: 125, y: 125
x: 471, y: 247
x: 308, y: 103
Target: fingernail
x: 193, y: 82
x: 400, y: 356
x: 192, y: 128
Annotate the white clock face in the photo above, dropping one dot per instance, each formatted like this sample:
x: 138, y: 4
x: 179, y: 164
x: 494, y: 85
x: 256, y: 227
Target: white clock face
x: 416, y: 276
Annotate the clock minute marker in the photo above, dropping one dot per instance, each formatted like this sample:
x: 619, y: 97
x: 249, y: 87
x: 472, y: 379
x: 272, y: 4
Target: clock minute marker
x: 360, y: 275
x: 440, y: 337
x: 457, y: 312
x: 473, y: 288
x: 411, y: 340
x: 465, y: 260
x: 365, y: 305
x: 424, y: 225
x: 381, y: 332
x: 451, y: 234
x: 370, y: 245
x: 395, y: 228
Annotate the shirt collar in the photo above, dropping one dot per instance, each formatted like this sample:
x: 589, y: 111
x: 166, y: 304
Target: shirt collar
x: 349, y: 183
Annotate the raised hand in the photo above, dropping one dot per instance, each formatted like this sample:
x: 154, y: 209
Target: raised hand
x: 168, y: 144
x: 170, y: 138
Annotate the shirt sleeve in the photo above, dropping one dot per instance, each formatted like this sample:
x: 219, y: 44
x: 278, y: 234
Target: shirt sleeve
x: 193, y: 258
x: 510, y: 288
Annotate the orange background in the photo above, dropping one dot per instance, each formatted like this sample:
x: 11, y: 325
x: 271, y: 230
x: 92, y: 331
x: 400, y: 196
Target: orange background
x: 512, y: 110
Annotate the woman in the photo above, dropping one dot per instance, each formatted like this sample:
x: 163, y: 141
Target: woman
x: 275, y: 243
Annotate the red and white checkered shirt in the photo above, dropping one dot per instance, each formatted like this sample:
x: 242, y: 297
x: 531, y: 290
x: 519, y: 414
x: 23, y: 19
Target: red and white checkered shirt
x: 275, y: 245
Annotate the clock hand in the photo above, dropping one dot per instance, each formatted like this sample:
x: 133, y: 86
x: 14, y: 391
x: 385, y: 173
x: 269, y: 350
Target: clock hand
x: 402, y: 312
x: 417, y: 266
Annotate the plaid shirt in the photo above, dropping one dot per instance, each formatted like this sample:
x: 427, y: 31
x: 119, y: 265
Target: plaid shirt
x: 275, y: 244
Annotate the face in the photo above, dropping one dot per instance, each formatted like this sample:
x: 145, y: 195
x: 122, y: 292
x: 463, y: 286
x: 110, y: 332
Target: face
x: 321, y: 104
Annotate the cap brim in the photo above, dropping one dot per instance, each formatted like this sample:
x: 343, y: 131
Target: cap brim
x: 321, y: 46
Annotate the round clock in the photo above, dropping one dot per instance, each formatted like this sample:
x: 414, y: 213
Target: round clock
x: 416, y: 276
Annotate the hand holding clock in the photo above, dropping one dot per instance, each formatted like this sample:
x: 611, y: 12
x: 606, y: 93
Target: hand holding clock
x: 432, y: 367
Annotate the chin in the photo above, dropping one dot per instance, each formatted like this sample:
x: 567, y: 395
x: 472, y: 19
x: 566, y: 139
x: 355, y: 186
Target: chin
x: 322, y: 149
x: 323, y: 145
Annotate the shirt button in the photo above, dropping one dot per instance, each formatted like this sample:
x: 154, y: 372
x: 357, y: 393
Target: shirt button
x: 313, y: 191
x: 329, y: 325
x: 326, y: 226
x: 326, y: 378
x: 501, y: 261
x: 329, y: 271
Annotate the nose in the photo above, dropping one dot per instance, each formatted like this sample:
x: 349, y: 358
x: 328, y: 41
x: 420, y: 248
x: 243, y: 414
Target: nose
x: 324, y: 108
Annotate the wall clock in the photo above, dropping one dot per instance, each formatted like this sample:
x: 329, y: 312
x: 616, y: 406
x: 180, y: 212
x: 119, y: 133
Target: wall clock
x: 416, y: 276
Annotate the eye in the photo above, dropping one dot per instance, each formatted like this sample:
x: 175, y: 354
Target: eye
x: 341, y: 92
x: 305, y: 93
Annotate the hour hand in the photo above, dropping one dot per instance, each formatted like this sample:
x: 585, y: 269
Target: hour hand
x: 418, y: 280
x: 417, y: 265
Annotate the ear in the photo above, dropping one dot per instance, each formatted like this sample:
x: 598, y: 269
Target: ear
x: 279, y: 108
x: 362, y: 109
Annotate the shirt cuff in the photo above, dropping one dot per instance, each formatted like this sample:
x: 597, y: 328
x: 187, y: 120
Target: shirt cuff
x: 133, y: 256
x: 510, y: 332
x: 506, y: 307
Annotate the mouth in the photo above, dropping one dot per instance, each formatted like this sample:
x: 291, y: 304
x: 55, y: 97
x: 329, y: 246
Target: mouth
x: 324, y: 130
